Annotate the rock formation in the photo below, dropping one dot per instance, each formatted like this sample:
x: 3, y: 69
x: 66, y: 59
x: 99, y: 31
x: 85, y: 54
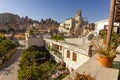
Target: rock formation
x: 78, y: 16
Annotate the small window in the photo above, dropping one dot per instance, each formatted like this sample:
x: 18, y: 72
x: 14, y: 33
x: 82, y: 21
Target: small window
x: 68, y: 54
x: 74, y: 57
x: 60, y: 47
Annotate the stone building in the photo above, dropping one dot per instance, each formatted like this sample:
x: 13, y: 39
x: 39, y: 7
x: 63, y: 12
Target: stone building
x: 33, y: 40
x: 73, y: 26
x: 73, y: 52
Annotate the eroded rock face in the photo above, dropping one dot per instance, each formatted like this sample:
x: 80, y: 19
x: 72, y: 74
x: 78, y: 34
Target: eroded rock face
x: 78, y: 16
x: 79, y: 22
x: 79, y: 13
x: 8, y: 18
x: 73, y: 26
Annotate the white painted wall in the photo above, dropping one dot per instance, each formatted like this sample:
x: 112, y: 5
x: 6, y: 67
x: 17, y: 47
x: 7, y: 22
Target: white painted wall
x: 100, y: 25
x: 72, y: 64
x: 81, y: 54
x: 68, y: 23
x: 62, y: 24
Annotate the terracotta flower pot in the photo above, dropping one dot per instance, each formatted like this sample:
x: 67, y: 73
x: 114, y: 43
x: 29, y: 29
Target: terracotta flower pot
x: 105, y: 61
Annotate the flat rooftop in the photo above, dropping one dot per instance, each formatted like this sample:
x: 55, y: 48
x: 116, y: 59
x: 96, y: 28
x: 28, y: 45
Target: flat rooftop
x: 82, y: 42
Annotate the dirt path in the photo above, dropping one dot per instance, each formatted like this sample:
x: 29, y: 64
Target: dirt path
x: 9, y: 70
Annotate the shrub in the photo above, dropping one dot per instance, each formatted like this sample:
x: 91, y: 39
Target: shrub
x: 30, y: 68
x: 8, y: 44
x: 2, y: 36
x: 57, y: 37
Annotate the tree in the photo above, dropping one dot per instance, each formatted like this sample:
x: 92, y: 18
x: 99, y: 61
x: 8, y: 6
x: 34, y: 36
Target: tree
x: 2, y: 36
x: 30, y: 68
x: 31, y: 32
x: 8, y: 44
x: 2, y: 49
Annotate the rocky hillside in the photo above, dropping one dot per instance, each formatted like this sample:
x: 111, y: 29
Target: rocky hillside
x: 15, y: 22
x: 8, y: 18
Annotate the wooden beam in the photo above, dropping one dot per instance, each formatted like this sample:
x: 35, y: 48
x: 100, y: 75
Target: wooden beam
x: 117, y: 14
x: 117, y: 21
x: 117, y: 5
x: 111, y: 22
x: 117, y: 11
x: 118, y: 0
x: 117, y: 17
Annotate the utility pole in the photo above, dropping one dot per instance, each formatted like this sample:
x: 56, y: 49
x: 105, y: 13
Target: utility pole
x: 111, y: 22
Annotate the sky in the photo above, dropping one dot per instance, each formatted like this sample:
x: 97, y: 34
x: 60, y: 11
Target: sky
x: 59, y: 10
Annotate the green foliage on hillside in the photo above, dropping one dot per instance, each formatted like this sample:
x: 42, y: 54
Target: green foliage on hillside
x: 5, y: 45
x: 2, y: 36
x: 8, y: 44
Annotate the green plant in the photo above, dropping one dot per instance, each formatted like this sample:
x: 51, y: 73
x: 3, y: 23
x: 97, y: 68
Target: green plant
x: 2, y: 36
x: 61, y: 76
x: 83, y: 76
x: 31, y: 32
x: 57, y: 37
x: 103, y: 34
x: 115, y: 38
x: 31, y: 67
x: 104, y: 50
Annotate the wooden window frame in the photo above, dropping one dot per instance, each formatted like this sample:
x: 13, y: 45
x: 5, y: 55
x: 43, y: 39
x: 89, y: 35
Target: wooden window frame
x: 68, y: 54
x: 74, y: 57
x: 60, y: 47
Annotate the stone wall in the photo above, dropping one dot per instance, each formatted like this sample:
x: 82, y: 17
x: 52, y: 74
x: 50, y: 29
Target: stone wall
x: 38, y: 41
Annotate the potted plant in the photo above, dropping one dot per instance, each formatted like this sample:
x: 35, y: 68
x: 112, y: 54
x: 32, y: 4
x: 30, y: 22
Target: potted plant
x: 105, y: 54
x: 103, y: 34
x: 83, y: 76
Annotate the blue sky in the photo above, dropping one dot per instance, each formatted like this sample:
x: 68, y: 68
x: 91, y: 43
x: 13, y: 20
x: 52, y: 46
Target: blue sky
x: 93, y: 10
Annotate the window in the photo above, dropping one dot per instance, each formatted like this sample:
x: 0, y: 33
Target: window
x: 60, y: 47
x: 74, y: 57
x: 68, y: 54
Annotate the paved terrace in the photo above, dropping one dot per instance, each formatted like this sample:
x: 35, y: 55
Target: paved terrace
x: 97, y: 71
